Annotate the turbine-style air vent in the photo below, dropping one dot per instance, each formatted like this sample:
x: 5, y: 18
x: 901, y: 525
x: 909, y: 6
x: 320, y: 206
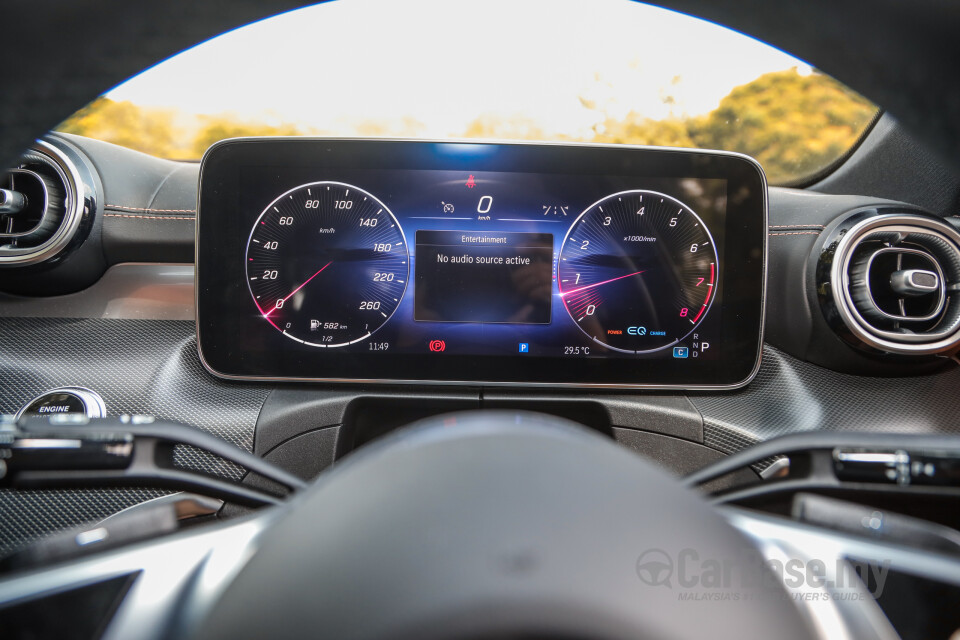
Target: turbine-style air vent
x: 40, y: 207
x: 895, y: 283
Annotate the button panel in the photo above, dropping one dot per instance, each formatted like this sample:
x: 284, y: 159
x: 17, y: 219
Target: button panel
x: 65, y: 401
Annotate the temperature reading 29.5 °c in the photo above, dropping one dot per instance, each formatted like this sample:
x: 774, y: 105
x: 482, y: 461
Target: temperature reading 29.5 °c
x: 327, y: 264
x: 637, y: 271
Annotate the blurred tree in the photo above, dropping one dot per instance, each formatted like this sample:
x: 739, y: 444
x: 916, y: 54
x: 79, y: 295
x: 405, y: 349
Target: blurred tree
x: 793, y: 124
x: 635, y: 129
x: 216, y: 128
x: 500, y: 127
x: 147, y: 130
x: 405, y: 127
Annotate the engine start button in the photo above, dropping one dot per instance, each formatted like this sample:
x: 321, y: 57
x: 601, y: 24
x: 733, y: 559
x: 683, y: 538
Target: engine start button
x: 68, y: 400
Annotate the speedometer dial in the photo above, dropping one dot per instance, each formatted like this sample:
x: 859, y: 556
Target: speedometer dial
x: 637, y: 271
x: 327, y: 264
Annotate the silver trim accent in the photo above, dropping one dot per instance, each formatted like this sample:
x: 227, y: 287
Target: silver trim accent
x: 483, y: 383
x: 905, y: 282
x: 941, y: 285
x: 73, y: 211
x: 930, y: 343
x: 179, y: 575
x: 46, y: 443
x: 868, y: 457
x: 776, y: 468
x: 10, y: 208
x: 11, y: 202
x: 187, y: 505
x: 91, y: 400
x: 861, y: 617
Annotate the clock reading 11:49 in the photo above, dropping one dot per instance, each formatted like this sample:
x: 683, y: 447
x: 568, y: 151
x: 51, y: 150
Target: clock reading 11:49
x: 637, y: 271
x: 327, y: 264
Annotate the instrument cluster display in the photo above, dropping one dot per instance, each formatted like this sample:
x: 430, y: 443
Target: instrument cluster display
x: 397, y: 261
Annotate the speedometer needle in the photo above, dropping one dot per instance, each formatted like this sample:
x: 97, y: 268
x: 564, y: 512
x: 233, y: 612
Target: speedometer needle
x: 267, y: 314
x: 597, y: 284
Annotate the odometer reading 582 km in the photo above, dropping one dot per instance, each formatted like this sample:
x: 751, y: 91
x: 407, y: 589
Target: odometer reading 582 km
x: 327, y: 264
x: 637, y: 271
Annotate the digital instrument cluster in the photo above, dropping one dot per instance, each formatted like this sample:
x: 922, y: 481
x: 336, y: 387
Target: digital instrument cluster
x: 401, y: 261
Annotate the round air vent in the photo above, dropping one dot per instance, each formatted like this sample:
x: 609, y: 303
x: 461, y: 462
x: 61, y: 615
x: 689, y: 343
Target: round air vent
x: 40, y: 206
x: 893, y: 281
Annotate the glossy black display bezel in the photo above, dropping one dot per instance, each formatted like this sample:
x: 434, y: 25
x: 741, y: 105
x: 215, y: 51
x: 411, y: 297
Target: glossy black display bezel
x: 222, y: 229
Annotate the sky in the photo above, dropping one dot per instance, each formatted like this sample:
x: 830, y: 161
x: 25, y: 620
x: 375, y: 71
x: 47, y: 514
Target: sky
x: 446, y: 62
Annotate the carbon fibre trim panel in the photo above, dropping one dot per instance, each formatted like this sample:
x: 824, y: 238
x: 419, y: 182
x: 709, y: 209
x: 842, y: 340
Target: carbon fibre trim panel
x: 151, y: 366
x: 137, y: 366
x: 791, y: 396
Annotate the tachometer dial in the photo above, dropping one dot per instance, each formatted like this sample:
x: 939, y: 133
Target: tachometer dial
x: 327, y: 264
x: 637, y: 271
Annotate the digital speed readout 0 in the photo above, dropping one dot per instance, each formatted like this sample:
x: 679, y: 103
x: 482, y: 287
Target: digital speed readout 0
x: 476, y: 263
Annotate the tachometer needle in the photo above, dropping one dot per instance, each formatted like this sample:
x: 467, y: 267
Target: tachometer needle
x: 267, y: 314
x: 597, y: 284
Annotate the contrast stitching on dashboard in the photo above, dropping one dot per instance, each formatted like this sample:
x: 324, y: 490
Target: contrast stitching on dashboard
x: 126, y: 208
x: 797, y: 233
x: 131, y: 215
x: 796, y: 226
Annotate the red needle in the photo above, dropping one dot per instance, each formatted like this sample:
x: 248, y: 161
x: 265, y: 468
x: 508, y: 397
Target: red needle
x: 597, y: 284
x: 267, y: 314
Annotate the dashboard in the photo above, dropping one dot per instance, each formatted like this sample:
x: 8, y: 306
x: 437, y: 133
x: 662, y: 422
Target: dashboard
x: 133, y: 308
x: 393, y: 261
x: 851, y: 344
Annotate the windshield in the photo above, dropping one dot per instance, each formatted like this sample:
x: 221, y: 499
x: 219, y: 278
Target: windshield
x: 608, y: 71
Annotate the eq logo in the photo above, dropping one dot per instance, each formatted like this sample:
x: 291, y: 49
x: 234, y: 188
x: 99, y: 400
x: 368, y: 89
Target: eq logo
x: 637, y: 331
x: 437, y: 345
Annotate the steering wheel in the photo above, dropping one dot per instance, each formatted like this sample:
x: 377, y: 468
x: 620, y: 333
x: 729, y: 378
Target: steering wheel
x: 500, y: 525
